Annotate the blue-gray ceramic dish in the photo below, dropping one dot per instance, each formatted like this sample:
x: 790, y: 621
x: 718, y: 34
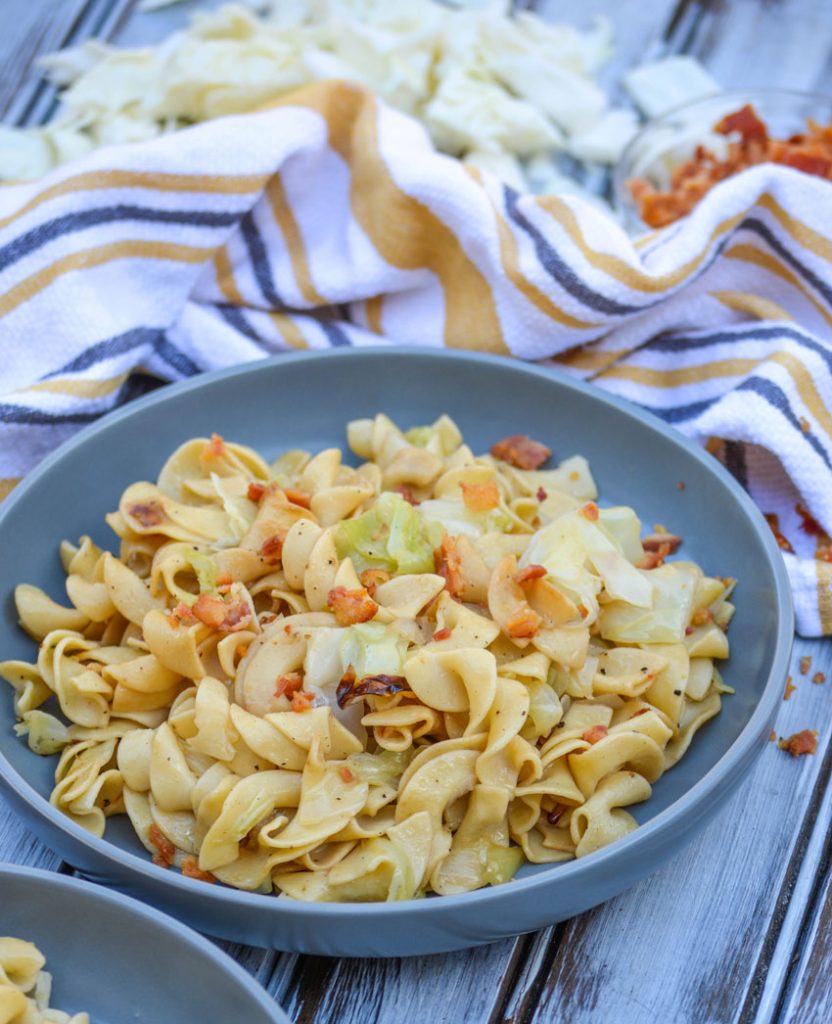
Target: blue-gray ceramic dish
x: 305, y: 401
x: 119, y: 960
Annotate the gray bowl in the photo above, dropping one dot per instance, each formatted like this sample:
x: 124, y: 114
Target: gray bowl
x: 120, y: 960
x: 305, y: 401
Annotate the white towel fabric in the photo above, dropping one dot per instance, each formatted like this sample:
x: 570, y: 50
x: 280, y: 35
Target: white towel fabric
x: 329, y: 220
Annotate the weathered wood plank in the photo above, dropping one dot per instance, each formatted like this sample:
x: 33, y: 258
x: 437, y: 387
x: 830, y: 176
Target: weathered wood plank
x: 19, y: 846
x: 692, y: 942
x: 447, y: 989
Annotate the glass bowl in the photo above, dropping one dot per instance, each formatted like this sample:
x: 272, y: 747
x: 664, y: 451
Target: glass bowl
x: 669, y: 140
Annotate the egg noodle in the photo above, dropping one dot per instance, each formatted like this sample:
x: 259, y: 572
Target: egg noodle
x: 372, y: 683
x: 25, y: 987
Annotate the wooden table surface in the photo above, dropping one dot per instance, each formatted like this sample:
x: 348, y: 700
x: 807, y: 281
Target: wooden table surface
x: 739, y: 927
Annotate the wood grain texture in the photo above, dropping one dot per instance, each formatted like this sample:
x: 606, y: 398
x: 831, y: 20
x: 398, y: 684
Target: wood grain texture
x: 18, y: 845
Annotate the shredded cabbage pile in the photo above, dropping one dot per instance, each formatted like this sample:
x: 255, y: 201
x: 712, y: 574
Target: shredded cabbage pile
x: 504, y: 93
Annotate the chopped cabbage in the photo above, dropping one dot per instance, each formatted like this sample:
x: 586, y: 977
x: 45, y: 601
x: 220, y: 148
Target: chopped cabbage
x: 205, y: 568
x: 390, y: 536
x: 373, y: 649
x: 665, y: 621
x: 382, y: 769
x: 456, y: 518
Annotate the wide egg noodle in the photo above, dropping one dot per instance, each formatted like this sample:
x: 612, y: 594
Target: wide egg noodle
x: 368, y: 683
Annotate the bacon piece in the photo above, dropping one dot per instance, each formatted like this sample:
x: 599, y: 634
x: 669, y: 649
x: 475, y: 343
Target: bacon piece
x: 701, y: 616
x: 302, y: 498
x: 225, y: 579
x: 256, y: 491
x: 790, y: 688
x: 167, y: 851
x: 407, y: 494
x: 272, y: 548
x: 214, y: 449
x: 449, y: 565
x: 523, y: 623
x: 184, y: 613
x: 237, y: 617
x: 808, y: 523
x: 191, y: 869
x: 480, y: 497
x: 655, y: 541
x: 542, y: 494
x: 240, y: 651
x: 824, y: 553
x: 805, y: 664
x: 372, y: 578
x: 530, y: 573
x: 521, y: 451
x: 594, y: 733
x: 210, y: 610
x: 441, y: 634
x: 349, y: 689
x: 302, y: 701
x: 746, y: 122
x: 653, y: 559
x: 351, y: 606
x: 148, y: 513
x: 804, y: 742
x: 782, y: 542
x: 819, y: 677
x: 590, y: 512
x: 346, y: 774
x: 288, y: 684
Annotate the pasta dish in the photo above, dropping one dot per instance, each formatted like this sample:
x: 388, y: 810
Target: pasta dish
x: 369, y: 683
x: 25, y: 987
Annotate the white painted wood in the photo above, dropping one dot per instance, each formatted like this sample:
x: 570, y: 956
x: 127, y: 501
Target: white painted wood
x: 18, y: 845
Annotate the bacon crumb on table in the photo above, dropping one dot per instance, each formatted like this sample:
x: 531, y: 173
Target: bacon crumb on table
x: 521, y: 451
x: 804, y: 742
x: 809, y: 151
x: 774, y: 522
x: 772, y: 736
x: 805, y: 664
x: 790, y: 688
x: 819, y: 677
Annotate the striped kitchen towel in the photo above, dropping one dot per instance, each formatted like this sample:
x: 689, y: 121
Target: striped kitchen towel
x: 330, y: 220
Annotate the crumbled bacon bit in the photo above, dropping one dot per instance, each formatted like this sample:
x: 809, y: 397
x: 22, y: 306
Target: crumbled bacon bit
x: 809, y: 152
x: 523, y: 623
x: 346, y: 774
x: 302, y: 701
x: 542, y: 494
x: 256, y: 491
x: 556, y: 812
x: 302, y: 498
x: 449, y: 565
x: 441, y: 634
x: 372, y: 578
x: 688, y: 630
x: 790, y: 688
x: 774, y: 522
x: 173, y: 621
x: 819, y: 677
x: 349, y: 689
x: 805, y: 664
x: 660, y: 540
x: 808, y: 524
x: 594, y: 733
x: 521, y: 451
x: 480, y: 497
x: 237, y: 617
x: 272, y: 548
x: 583, y: 611
x: 191, y: 869
x: 240, y: 651
x: 184, y: 613
x: 149, y: 513
x: 167, y: 851
x: 804, y: 742
x: 680, y: 486
x: 214, y: 449
x: 824, y: 553
x: 529, y: 574
x: 288, y: 684
x: 590, y: 512
x: 266, y: 617
x: 772, y: 736
x: 351, y: 606
x: 225, y: 579
x: 210, y: 610
x: 654, y: 559
x: 407, y: 494
x: 702, y: 616
x: 805, y: 425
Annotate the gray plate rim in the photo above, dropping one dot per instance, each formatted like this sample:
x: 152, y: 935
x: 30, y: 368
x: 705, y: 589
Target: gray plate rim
x: 571, y: 870
x: 133, y: 907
